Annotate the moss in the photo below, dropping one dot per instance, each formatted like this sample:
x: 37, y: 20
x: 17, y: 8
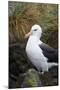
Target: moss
x: 31, y: 79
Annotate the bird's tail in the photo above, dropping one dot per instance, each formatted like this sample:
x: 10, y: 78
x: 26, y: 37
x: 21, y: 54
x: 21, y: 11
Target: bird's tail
x: 52, y: 64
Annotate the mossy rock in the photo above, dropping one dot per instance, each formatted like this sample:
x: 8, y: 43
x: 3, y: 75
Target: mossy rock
x: 31, y: 79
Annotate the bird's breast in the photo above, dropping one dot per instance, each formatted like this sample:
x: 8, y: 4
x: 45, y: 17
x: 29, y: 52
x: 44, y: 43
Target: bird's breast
x: 33, y: 51
x: 32, y: 48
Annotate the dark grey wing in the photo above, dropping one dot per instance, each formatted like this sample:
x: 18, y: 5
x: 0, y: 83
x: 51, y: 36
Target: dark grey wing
x: 49, y: 52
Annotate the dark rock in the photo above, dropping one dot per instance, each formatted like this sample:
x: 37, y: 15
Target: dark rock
x: 54, y: 71
x: 20, y: 73
x: 50, y: 78
x: 20, y: 79
x: 12, y: 83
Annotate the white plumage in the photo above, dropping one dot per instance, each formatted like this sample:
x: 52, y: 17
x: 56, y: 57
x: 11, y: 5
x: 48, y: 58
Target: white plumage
x: 34, y: 52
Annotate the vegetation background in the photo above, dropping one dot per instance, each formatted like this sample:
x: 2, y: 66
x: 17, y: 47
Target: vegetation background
x: 22, y: 15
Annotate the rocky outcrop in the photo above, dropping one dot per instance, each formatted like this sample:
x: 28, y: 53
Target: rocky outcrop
x: 31, y: 79
x: 23, y: 74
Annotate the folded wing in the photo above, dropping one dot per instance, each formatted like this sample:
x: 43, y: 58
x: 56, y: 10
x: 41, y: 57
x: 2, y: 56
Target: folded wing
x: 49, y: 52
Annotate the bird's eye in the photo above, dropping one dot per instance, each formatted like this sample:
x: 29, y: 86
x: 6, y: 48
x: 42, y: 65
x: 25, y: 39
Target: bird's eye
x: 35, y: 29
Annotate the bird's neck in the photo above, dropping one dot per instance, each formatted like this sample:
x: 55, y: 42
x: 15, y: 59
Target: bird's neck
x: 33, y: 39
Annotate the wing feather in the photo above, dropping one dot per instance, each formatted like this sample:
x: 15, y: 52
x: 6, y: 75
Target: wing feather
x: 49, y: 52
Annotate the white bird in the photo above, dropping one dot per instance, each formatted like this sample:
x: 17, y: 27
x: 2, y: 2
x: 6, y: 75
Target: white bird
x: 38, y: 52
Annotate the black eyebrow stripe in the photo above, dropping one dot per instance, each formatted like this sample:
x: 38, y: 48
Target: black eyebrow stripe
x: 35, y: 29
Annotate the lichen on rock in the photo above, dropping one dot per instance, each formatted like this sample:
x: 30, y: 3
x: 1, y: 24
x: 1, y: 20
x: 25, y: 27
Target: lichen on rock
x: 31, y: 79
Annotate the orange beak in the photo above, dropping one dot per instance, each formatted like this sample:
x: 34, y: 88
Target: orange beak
x: 28, y: 34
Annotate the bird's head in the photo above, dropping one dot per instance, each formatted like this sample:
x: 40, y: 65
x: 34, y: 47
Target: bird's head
x: 36, y: 30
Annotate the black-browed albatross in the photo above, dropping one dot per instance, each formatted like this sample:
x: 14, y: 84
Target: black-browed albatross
x: 40, y: 54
